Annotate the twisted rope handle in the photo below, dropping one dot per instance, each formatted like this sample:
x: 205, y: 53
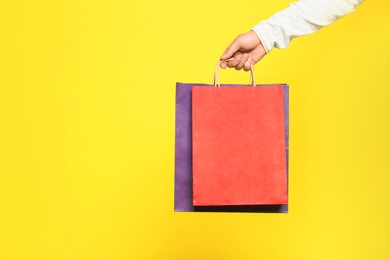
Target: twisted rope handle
x: 217, y: 82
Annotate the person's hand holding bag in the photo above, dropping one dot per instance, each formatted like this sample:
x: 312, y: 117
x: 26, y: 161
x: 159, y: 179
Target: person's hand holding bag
x: 245, y: 51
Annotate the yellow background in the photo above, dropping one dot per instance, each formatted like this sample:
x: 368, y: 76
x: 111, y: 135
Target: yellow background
x: 87, y: 103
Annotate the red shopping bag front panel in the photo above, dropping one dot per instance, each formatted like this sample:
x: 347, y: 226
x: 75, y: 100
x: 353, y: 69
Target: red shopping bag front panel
x: 239, y: 155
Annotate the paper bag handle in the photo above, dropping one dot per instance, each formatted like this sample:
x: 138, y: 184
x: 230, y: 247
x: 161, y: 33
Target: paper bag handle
x: 217, y: 81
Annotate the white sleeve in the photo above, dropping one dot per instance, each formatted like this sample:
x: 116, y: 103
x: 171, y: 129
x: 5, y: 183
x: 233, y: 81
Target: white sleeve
x: 301, y: 18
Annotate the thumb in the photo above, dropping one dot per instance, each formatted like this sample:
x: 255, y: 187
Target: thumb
x: 230, y: 50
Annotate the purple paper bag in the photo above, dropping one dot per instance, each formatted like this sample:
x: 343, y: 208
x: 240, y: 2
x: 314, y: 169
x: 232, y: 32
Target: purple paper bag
x: 183, y: 157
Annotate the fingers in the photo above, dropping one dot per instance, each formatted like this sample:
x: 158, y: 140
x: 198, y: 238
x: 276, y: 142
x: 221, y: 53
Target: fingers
x: 244, y: 59
x: 235, y: 61
x: 248, y: 64
x: 231, y: 63
x: 238, y: 61
x: 223, y: 64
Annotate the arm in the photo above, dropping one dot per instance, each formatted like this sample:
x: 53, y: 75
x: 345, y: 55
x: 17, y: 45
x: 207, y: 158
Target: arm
x: 300, y: 18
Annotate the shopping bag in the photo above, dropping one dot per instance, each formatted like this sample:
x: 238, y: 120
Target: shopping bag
x: 183, y: 195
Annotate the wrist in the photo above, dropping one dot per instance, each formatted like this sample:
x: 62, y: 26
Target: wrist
x: 261, y: 40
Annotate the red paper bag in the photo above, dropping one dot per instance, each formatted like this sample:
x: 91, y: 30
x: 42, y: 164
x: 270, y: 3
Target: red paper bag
x: 239, y: 155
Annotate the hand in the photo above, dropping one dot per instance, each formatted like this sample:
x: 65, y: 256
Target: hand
x: 245, y: 51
